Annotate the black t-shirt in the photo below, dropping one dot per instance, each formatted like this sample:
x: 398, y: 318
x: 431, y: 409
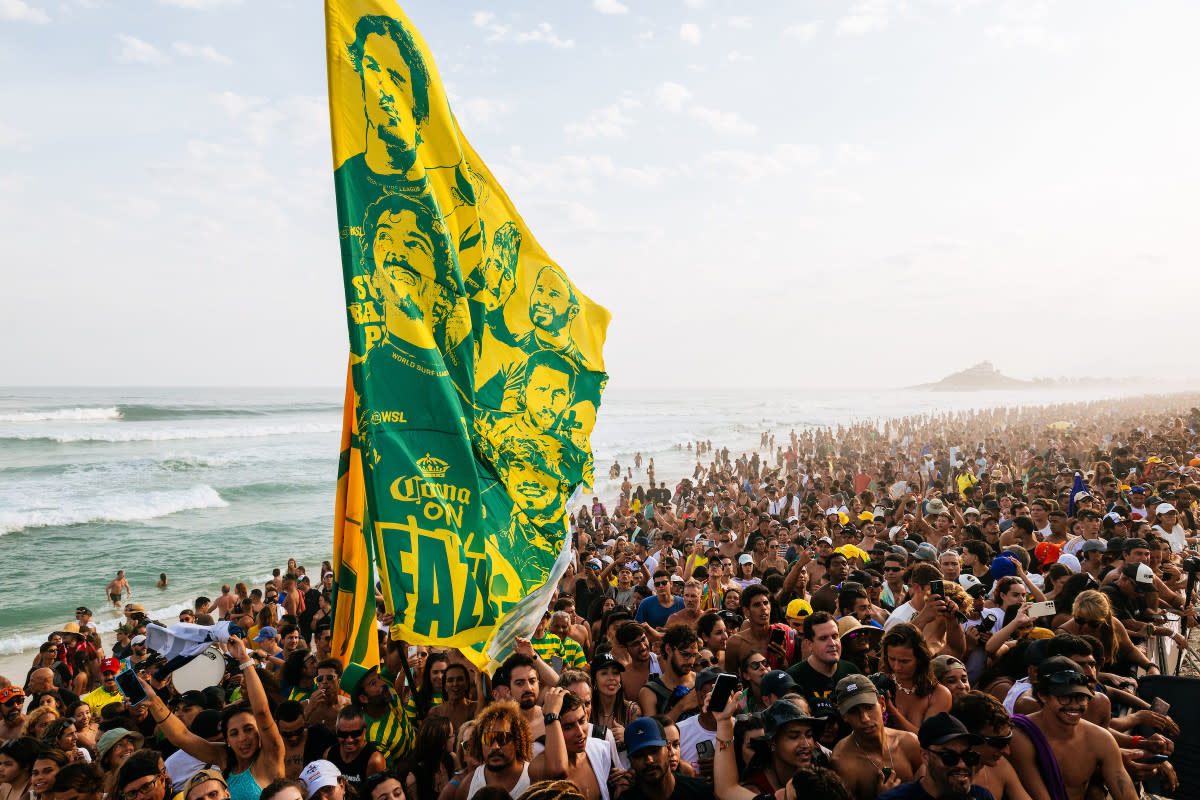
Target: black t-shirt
x: 818, y: 689
x: 686, y: 788
x: 1123, y: 607
x: 914, y: 791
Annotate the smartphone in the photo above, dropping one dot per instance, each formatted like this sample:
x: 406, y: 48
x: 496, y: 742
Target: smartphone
x: 704, y: 749
x: 556, y: 663
x: 1044, y: 609
x: 131, y: 688
x: 986, y: 624
x: 778, y: 636
x: 936, y: 587
x: 1155, y: 758
x: 723, y: 687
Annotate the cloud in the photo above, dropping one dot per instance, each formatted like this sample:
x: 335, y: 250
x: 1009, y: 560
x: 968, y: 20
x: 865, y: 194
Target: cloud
x: 542, y: 33
x: 736, y: 56
x: 804, y: 32
x: 867, y: 16
x: 690, y: 33
x: 750, y: 166
x: 610, y: 7
x: 568, y: 176
x: 671, y: 96
x: 676, y: 98
x: 475, y: 111
x: 300, y: 120
x: 694, y: 3
x: 730, y: 122
x: 611, y: 120
x: 741, y: 23
x: 135, y: 51
x: 201, y: 51
x: 21, y: 11
x: 644, y: 36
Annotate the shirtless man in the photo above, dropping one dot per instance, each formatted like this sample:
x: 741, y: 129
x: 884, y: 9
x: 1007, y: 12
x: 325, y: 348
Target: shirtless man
x: 225, y: 603
x: 116, y: 587
x: 457, y: 706
x: 12, y: 700
x: 1080, y: 748
x: 873, y: 758
x: 569, y: 750
x: 633, y: 650
x: 690, y: 614
x: 985, y: 714
x: 755, y: 636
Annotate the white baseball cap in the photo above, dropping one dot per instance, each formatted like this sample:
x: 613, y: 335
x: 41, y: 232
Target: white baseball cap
x: 317, y: 775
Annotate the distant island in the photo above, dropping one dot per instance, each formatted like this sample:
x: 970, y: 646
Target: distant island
x: 985, y: 377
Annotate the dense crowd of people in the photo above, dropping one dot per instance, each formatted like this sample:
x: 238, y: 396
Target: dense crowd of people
x: 947, y: 606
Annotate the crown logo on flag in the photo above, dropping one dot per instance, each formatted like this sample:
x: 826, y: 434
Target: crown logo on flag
x: 432, y: 467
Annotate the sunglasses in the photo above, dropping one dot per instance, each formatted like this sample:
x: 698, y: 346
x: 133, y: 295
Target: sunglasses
x: 951, y: 757
x: 661, y: 583
x: 998, y: 742
x: 292, y: 735
x: 1091, y: 623
x: 757, y: 665
x: 497, y: 738
x: 354, y: 734
x: 1065, y: 678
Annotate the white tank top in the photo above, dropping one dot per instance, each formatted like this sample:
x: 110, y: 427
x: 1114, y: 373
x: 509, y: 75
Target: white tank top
x: 479, y: 780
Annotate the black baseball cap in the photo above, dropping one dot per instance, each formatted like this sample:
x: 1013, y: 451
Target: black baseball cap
x: 942, y: 728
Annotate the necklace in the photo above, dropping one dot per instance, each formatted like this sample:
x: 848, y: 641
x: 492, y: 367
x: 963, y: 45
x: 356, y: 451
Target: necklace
x: 905, y: 689
x: 863, y: 753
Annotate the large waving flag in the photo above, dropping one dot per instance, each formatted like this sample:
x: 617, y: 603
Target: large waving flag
x: 475, y: 364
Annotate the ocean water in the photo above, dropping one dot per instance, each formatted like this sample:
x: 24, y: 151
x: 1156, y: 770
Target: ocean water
x: 213, y: 485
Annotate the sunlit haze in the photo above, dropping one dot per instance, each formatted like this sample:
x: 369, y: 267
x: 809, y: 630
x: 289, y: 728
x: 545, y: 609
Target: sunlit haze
x: 806, y: 194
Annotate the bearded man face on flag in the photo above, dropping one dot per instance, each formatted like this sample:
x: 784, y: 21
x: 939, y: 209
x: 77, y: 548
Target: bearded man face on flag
x: 395, y: 86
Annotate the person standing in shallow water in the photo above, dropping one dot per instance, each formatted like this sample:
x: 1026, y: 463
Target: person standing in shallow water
x: 162, y: 580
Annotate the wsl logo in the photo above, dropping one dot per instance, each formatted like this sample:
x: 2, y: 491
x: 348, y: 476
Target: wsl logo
x: 378, y: 417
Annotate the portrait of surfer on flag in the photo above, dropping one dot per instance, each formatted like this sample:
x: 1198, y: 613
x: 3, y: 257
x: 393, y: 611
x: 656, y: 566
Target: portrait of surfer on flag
x: 475, y: 369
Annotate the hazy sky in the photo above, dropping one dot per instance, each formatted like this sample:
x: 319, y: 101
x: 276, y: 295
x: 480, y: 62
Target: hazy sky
x: 811, y: 194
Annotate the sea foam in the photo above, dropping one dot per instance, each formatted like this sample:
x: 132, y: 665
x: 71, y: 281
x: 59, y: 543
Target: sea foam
x: 120, y: 507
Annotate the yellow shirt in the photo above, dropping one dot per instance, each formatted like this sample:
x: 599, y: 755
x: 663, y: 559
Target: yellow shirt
x: 99, y: 697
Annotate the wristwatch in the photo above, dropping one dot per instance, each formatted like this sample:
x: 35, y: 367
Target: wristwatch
x: 548, y: 718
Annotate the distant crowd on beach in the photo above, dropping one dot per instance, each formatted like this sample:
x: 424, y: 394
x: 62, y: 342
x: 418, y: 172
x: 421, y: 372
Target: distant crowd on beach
x: 961, y: 605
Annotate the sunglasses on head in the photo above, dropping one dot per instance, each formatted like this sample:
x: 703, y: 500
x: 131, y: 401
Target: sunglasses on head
x: 1066, y: 678
x: 951, y: 757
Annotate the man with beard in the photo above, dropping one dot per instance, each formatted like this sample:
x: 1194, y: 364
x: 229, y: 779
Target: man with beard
x: 12, y: 699
x: 649, y: 761
x: 950, y: 764
x: 354, y: 756
x: 503, y: 739
x: 671, y: 692
x: 1055, y: 750
x: 524, y: 687
x: 387, y: 725
x: 873, y: 758
x: 570, y: 752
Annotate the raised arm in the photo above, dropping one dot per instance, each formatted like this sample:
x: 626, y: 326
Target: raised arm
x: 269, y: 764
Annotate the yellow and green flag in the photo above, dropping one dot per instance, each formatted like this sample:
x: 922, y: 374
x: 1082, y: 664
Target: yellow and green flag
x: 476, y: 365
